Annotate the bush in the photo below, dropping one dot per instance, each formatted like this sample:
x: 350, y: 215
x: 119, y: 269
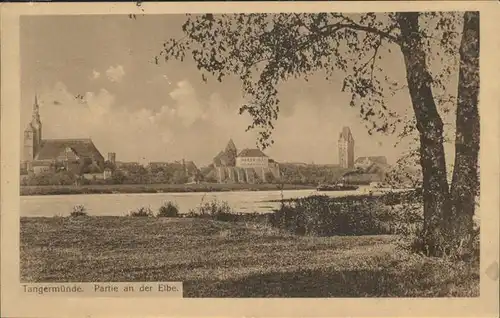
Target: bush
x: 406, y: 197
x: 215, y: 210
x: 324, y: 216
x: 168, y: 209
x: 142, y: 212
x: 79, y: 210
x: 454, y: 246
x: 461, y: 247
x: 392, y: 198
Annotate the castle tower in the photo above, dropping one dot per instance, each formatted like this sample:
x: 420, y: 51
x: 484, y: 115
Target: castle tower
x: 346, y: 148
x: 231, y: 153
x: 33, y: 134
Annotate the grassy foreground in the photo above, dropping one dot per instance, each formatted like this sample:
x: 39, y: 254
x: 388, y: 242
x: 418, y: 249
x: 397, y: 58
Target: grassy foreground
x: 223, y: 259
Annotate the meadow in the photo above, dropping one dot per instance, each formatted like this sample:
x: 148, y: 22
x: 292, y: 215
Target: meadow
x: 219, y: 254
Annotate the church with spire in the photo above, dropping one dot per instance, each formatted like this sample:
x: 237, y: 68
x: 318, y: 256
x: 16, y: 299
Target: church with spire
x: 76, y: 155
x: 33, y: 134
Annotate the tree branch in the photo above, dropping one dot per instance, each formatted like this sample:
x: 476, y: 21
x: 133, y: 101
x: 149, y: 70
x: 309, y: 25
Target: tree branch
x: 373, y: 59
x: 352, y: 25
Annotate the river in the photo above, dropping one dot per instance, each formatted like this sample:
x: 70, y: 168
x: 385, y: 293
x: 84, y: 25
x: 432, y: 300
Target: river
x: 121, y: 204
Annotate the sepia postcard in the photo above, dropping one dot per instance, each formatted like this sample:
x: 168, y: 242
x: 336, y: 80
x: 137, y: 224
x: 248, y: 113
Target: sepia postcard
x: 299, y: 159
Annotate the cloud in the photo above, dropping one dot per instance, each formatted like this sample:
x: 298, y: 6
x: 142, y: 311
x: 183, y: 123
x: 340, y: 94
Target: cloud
x: 135, y: 133
x: 226, y: 115
x: 95, y: 74
x: 214, y: 120
x: 99, y: 104
x: 115, y: 73
x: 187, y: 106
x: 316, y: 127
x: 132, y: 134
x: 197, y: 128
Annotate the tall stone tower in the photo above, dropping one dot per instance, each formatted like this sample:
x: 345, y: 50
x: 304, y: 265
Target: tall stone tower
x: 231, y: 153
x: 346, y: 148
x: 33, y: 134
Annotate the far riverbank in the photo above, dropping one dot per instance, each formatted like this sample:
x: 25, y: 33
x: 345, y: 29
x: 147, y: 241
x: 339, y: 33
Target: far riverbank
x: 154, y: 188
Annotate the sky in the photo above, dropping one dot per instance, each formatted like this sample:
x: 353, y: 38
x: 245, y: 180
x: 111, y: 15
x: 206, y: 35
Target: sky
x: 95, y: 78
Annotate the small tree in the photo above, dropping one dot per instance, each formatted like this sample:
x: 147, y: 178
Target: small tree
x: 118, y: 177
x: 270, y: 177
x: 84, y: 165
x: 109, y: 165
x: 179, y: 177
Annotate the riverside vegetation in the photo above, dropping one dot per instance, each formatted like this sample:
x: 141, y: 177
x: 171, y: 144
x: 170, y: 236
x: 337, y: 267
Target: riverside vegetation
x: 154, y: 188
x: 309, y: 247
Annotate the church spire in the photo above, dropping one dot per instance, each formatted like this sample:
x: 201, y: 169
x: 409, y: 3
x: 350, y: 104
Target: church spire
x: 36, y: 109
x: 36, y: 123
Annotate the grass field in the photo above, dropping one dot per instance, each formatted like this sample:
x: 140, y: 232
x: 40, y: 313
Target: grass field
x: 222, y: 259
x: 153, y: 188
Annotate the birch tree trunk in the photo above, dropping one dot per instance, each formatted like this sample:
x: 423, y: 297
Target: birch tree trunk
x: 430, y: 128
x: 465, y: 182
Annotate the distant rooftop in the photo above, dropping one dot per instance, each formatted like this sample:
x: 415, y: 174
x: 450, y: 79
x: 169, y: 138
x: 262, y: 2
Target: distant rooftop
x: 83, y: 147
x: 248, y: 152
x: 376, y: 159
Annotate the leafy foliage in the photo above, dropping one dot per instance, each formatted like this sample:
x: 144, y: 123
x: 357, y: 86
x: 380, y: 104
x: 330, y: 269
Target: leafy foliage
x: 355, y: 215
x: 170, y: 174
x: 264, y: 50
x: 142, y: 212
x: 310, y: 174
x: 215, y: 210
x: 168, y: 209
x: 50, y: 178
x: 79, y: 210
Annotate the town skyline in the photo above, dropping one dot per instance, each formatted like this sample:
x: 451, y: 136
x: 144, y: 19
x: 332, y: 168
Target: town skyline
x: 120, y: 98
x: 34, y: 140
